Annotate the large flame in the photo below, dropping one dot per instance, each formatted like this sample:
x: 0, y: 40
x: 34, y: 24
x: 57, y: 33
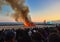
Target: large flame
x: 21, y: 11
x: 26, y: 23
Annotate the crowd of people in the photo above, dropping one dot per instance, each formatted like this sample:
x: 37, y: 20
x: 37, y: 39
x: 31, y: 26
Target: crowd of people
x: 47, y: 34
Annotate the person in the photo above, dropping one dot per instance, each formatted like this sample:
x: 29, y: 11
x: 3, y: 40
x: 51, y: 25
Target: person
x: 9, y: 36
x: 53, y: 37
x: 1, y: 36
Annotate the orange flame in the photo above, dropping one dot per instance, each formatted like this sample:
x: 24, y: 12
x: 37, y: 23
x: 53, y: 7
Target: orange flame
x: 28, y: 24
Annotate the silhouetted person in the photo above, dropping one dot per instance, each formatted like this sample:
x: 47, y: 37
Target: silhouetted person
x: 9, y: 36
x: 54, y: 38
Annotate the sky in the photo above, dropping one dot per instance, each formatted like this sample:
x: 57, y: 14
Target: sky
x: 40, y: 10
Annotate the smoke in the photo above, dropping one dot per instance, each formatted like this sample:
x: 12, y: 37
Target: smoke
x: 2, y: 3
x: 21, y: 10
